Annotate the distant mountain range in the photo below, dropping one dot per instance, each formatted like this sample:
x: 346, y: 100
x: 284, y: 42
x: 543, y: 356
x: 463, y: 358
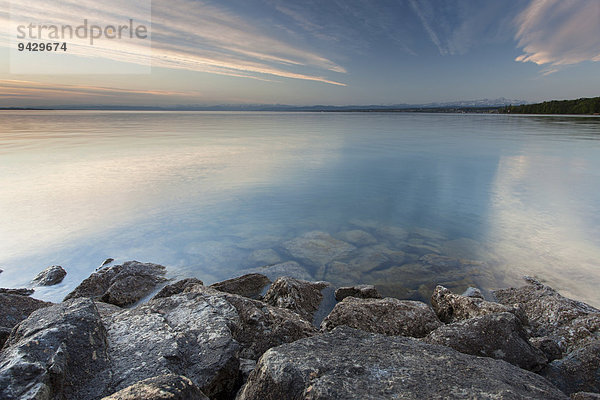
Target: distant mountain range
x: 470, y: 105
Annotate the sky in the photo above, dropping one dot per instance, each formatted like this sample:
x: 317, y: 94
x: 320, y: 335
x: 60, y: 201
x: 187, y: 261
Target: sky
x: 301, y: 52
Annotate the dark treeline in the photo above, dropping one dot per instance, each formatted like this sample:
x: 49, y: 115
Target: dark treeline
x: 579, y: 106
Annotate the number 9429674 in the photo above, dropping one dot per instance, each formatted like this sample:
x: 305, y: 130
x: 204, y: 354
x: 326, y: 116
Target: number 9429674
x: 33, y: 46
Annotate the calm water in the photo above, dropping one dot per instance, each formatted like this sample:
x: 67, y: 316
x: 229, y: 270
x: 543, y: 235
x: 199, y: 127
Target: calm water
x: 211, y: 194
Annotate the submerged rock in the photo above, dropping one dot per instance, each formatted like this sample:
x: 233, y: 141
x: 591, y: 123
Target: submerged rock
x: 570, y: 323
x: 500, y: 336
x: 302, y: 297
x: 50, y: 276
x: 451, y: 307
x: 317, y: 248
x: 249, y: 285
x: 58, y: 352
x: 264, y: 256
x: 163, y: 387
x: 357, y: 237
x: 359, y: 291
x: 579, y: 371
x: 353, y: 364
x: 288, y: 268
x: 388, y: 316
x: 121, y: 285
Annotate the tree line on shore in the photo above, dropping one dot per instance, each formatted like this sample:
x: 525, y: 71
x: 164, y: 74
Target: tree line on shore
x: 579, y: 106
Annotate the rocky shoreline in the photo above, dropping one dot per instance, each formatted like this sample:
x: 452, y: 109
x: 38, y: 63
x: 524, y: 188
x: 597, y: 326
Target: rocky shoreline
x: 127, y: 333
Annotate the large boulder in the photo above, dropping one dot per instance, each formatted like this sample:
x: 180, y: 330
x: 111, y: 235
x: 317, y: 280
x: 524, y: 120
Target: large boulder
x: 186, y: 334
x: 579, y: 371
x: 249, y: 285
x: 15, y: 308
x: 570, y: 323
x: 301, y: 296
x: 121, y: 285
x: 500, y: 336
x: 360, y: 291
x: 451, y: 307
x: 388, y: 316
x: 50, y: 276
x: 177, y: 287
x: 58, y: 352
x: 353, y: 364
x: 163, y: 387
x: 317, y: 248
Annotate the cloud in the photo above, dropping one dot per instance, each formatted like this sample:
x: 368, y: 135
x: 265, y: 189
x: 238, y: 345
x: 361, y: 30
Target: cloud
x: 186, y: 34
x: 559, y: 32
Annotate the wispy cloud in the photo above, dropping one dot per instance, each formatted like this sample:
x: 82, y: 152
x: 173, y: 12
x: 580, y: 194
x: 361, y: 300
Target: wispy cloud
x: 193, y: 35
x: 559, y: 32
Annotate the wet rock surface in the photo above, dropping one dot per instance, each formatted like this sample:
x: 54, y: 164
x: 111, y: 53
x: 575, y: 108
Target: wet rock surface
x: 451, y: 307
x: 317, y: 248
x: 58, y: 352
x: 349, y: 363
x: 388, y: 316
x: 500, y: 336
x: 249, y: 285
x: 18, y: 292
x: 359, y: 291
x: 177, y: 287
x: 570, y: 323
x: 15, y: 308
x: 163, y: 387
x: 121, y: 285
x: 288, y: 268
x: 50, y: 276
x: 300, y: 296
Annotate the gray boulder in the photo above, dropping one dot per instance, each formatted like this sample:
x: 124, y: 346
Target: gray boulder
x: 360, y: 291
x: 388, y: 316
x: 163, y: 387
x: 50, y: 276
x: 473, y: 292
x: 121, y: 285
x: 500, y: 336
x: 548, y: 346
x: 451, y: 307
x: 579, y: 371
x: 317, y: 248
x: 585, y: 396
x: 18, y: 292
x: 249, y: 285
x: 569, y: 323
x: 15, y: 308
x: 301, y: 296
x: 177, y: 287
x: 58, y: 352
x: 353, y: 364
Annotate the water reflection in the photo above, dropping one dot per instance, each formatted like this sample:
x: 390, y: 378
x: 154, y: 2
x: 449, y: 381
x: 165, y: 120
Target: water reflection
x: 453, y: 199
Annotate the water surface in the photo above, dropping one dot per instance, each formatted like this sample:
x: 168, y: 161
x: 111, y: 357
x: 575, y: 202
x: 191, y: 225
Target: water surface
x: 213, y: 194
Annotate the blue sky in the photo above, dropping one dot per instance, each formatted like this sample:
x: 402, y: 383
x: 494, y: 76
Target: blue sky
x: 310, y: 52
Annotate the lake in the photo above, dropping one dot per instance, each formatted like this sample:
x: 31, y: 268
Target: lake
x: 401, y: 200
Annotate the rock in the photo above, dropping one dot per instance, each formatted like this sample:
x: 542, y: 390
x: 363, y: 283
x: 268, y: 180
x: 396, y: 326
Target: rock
x: 302, y: 297
x: 288, y: 268
x: 58, y: 352
x: 15, y: 308
x: 264, y: 256
x: 249, y: 285
x: 548, y: 346
x: 500, y: 336
x: 393, y: 234
x: 187, y: 334
x: 579, y: 371
x: 357, y: 237
x: 246, y: 367
x: 451, y: 307
x: 200, y: 333
x: 473, y: 292
x: 121, y: 285
x: 427, y: 234
x: 317, y: 248
x: 375, y: 257
x: 585, y: 396
x: 570, y: 323
x: 105, y: 263
x: 359, y: 291
x: 388, y: 316
x: 18, y: 292
x: 163, y: 387
x: 50, y: 276
x: 353, y: 364
x: 177, y: 287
